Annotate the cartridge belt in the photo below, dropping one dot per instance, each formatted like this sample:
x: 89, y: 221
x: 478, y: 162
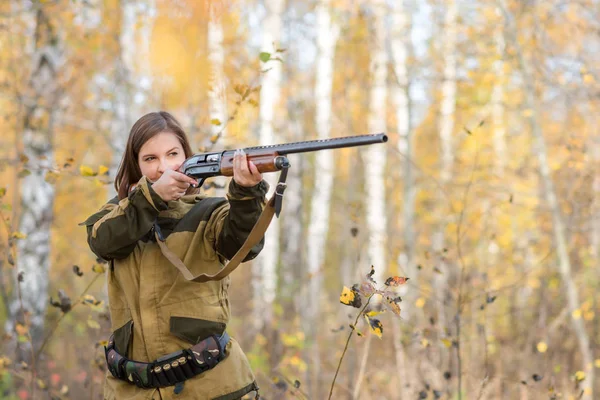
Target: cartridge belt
x: 169, y: 369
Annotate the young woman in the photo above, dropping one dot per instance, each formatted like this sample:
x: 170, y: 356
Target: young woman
x: 169, y: 336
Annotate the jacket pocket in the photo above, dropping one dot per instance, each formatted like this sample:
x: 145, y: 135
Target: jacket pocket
x: 193, y: 330
x: 122, y: 338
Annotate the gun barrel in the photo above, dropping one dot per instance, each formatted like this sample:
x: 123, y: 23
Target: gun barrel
x: 322, y: 144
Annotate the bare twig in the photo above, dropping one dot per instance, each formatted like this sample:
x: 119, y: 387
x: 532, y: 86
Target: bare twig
x: 352, y: 329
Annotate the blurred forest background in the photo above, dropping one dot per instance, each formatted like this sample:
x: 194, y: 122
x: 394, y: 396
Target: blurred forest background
x: 487, y: 195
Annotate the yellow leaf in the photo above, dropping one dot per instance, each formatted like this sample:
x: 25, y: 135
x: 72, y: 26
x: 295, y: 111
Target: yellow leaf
x: 215, y: 121
x: 99, y: 268
x: 102, y: 343
x: 21, y: 329
x: 542, y: 347
x: 375, y: 326
x: 579, y: 376
x: 2, y: 192
x: 102, y: 170
x: 576, y: 313
x: 420, y: 303
x: 424, y: 342
x: 64, y: 390
x: 349, y: 298
x: 84, y: 170
x: 589, y: 315
x: 41, y: 384
x: 51, y: 177
x: 4, y: 362
x: 588, y: 78
x: 93, y: 324
x: 447, y: 342
x: 19, y: 235
x: 374, y: 313
x: 597, y: 363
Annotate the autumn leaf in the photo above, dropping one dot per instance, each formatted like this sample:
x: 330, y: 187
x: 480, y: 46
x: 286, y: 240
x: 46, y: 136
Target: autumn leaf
x: 84, y: 170
x: 542, y: 347
x: 372, y: 314
x: 90, y: 300
x: 41, y: 384
x: 396, y: 281
x: 77, y: 271
x: 375, y: 326
x: 64, y: 302
x: 2, y: 192
x: 215, y: 121
x: 579, y: 376
x: 4, y: 362
x: 23, y: 173
x: 103, y: 170
x: 19, y: 235
x: 350, y: 298
x: 98, y: 268
x: 370, y: 275
x: 366, y: 289
x: 93, y: 324
x: 393, y: 305
x: 446, y: 342
x: 264, y: 56
x: 52, y: 177
x: 21, y: 329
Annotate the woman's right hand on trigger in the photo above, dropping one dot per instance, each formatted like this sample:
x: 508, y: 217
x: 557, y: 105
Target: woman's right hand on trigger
x: 172, y: 185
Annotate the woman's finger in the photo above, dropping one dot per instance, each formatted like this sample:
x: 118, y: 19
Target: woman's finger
x: 254, y: 170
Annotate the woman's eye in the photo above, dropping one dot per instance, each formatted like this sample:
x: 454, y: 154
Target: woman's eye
x: 149, y: 159
x: 174, y: 153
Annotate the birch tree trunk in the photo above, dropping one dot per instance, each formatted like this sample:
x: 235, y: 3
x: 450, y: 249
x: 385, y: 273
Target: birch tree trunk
x: 217, y: 93
x: 399, y: 38
x: 42, y: 112
x: 446, y: 129
x: 327, y: 35
x: 264, y: 281
x: 133, y: 75
x: 560, y: 240
x: 376, y: 156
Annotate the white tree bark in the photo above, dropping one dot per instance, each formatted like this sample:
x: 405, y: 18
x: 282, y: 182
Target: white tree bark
x: 448, y: 102
x: 217, y: 84
x: 376, y: 155
x: 400, y: 38
x: 265, y: 265
x: 446, y: 129
x: 37, y: 195
x: 560, y: 239
x: 327, y: 35
x: 133, y: 74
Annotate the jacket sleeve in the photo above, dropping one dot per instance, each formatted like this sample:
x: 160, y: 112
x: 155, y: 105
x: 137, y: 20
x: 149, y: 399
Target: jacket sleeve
x: 233, y: 224
x: 113, y: 231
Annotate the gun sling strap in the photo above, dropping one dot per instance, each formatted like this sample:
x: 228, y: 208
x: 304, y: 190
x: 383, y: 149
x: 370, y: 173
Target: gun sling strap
x: 273, y: 207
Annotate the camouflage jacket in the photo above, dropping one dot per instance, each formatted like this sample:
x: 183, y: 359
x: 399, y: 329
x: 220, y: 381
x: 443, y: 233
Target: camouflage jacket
x: 154, y: 311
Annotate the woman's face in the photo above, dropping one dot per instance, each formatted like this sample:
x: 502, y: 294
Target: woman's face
x: 162, y: 152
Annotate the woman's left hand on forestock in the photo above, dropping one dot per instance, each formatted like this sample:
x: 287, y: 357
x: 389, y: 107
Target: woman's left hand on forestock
x: 245, y: 172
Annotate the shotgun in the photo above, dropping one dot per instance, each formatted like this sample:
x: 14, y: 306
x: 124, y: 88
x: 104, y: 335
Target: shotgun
x: 270, y: 158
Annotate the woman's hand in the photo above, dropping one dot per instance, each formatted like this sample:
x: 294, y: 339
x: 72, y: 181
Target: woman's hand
x: 245, y: 172
x: 172, y: 185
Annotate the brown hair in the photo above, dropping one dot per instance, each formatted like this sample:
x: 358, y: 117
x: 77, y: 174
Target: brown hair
x: 143, y: 130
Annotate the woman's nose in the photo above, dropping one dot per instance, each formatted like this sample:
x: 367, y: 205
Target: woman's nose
x: 162, y: 166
